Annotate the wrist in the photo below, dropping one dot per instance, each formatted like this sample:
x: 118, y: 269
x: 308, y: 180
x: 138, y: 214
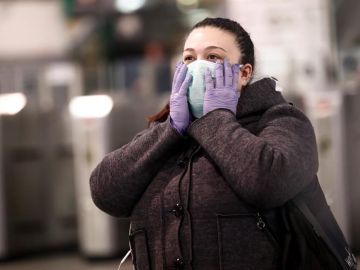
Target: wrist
x: 179, y: 129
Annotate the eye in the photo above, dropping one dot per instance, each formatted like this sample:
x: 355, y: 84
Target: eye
x: 213, y: 57
x: 188, y: 59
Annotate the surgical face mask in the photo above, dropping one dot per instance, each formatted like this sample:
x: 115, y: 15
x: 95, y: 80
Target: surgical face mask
x: 197, y: 88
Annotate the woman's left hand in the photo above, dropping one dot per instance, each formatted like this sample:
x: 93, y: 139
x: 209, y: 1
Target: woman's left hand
x: 223, y: 94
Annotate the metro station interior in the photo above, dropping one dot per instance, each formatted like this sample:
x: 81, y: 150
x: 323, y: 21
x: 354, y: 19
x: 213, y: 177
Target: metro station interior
x: 78, y: 79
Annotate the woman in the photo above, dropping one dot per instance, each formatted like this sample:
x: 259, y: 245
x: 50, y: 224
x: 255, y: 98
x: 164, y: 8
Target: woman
x: 202, y: 185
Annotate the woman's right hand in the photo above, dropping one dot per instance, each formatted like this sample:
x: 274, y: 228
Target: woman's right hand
x: 180, y: 116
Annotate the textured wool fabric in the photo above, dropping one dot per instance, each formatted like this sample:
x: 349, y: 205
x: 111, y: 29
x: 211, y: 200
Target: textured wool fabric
x: 210, y: 200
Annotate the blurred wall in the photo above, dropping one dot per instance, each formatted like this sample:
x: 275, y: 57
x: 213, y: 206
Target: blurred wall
x: 32, y: 29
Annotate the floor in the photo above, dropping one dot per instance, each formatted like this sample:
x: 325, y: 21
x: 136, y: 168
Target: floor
x: 68, y: 261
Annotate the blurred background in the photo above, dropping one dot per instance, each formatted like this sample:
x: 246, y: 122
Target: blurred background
x: 79, y: 77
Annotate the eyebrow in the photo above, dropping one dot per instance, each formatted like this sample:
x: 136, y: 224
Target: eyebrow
x: 207, y: 48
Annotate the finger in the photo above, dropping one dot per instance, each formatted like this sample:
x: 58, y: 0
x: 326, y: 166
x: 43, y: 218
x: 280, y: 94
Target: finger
x: 185, y: 85
x: 236, y: 74
x: 228, y: 73
x: 180, y: 78
x: 178, y: 66
x: 179, y: 63
x: 219, y: 74
x: 209, y: 83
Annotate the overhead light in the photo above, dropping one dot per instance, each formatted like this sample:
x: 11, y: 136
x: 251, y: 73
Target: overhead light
x: 95, y: 106
x: 12, y: 103
x: 126, y: 6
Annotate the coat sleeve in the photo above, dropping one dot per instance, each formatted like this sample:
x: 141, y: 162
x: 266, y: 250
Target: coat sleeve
x: 120, y: 179
x: 266, y: 169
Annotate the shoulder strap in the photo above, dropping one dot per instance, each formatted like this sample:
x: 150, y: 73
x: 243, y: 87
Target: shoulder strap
x: 344, y: 262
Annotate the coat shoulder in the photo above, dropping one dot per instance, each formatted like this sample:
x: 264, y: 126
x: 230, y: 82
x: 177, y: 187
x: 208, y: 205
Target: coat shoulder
x: 287, y: 110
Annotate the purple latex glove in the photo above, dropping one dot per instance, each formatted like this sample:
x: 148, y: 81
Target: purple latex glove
x: 180, y: 117
x: 224, y: 93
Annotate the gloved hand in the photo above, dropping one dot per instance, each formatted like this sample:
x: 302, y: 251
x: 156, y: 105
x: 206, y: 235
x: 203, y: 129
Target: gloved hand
x: 224, y: 93
x: 180, y: 117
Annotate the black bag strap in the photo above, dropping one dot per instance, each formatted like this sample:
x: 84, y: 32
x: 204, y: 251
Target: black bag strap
x: 320, y: 232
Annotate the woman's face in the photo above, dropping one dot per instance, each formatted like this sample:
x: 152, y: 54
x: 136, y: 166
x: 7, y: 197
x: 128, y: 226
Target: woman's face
x: 212, y: 44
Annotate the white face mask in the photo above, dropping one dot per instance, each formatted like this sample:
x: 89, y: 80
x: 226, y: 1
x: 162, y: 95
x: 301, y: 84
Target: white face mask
x: 197, y: 88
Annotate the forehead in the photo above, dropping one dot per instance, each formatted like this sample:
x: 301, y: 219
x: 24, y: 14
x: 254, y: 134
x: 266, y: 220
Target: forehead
x: 206, y: 36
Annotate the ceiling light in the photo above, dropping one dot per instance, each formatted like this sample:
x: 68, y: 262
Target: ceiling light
x: 126, y: 6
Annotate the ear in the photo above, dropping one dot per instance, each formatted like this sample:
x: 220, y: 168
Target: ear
x: 246, y: 72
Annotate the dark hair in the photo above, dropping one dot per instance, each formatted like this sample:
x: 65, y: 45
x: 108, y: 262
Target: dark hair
x: 243, y: 41
x: 242, y: 37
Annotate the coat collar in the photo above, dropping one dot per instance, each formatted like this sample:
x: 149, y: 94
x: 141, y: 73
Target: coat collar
x: 258, y: 97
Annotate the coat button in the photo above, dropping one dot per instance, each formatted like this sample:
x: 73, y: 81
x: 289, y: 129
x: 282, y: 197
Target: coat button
x: 177, y: 210
x: 179, y: 263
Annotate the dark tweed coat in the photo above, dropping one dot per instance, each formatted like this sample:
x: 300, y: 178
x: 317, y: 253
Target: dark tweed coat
x: 209, y: 200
